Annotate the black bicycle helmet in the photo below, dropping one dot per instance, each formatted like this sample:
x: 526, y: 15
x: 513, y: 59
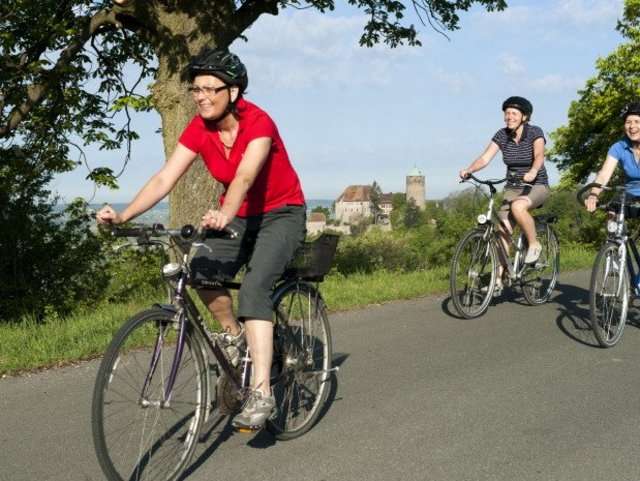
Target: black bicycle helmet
x: 632, y: 108
x: 221, y: 64
x: 520, y: 103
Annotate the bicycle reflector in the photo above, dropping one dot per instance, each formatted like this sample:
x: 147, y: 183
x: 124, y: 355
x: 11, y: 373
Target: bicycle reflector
x: 612, y: 226
x: 482, y: 219
x: 171, y: 269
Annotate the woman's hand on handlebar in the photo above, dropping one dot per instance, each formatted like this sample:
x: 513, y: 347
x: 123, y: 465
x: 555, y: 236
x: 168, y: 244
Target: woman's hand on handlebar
x: 108, y: 216
x: 591, y: 202
x: 529, y: 177
x: 464, y: 174
x: 215, y: 219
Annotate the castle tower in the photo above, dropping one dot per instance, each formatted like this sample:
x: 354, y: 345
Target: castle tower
x: 416, y: 187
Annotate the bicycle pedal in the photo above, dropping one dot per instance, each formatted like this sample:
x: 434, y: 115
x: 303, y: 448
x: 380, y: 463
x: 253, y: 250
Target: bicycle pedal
x: 248, y: 429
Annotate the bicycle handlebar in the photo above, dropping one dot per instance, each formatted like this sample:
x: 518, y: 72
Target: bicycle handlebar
x: 580, y: 193
x: 617, y: 188
x: 514, y: 179
x: 490, y: 182
x: 186, y: 232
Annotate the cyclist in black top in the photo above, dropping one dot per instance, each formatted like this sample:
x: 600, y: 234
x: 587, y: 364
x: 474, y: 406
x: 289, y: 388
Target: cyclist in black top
x: 522, y: 146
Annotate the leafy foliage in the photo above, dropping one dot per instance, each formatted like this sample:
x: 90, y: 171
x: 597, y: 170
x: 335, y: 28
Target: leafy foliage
x: 430, y: 243
x: 64, y: 85
x: 49, y: 260
x: 580, y: 147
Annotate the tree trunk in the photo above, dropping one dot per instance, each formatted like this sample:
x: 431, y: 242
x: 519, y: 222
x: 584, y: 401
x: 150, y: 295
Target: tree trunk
x: 196, y: 191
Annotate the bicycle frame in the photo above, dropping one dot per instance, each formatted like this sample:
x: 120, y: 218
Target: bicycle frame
x: 500, y: 234
x: 187, y: 313
x: 617, y: 233
x: 166, y: 372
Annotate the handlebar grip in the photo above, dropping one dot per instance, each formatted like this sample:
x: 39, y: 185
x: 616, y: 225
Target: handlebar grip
x: 226, y: 232
x: 143, y: 231
x: 128, y: 231
x: 589, y: 186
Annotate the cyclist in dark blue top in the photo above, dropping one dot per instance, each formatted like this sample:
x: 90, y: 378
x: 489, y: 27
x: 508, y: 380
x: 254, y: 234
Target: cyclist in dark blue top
x: 625, y: 152
x: 522, y: 146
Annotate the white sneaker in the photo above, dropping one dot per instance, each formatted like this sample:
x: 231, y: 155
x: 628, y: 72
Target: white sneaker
x: 256, y: 411
x: 533, y: 252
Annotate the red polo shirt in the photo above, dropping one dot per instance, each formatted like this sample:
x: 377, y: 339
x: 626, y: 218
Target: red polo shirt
x: 277, y: 183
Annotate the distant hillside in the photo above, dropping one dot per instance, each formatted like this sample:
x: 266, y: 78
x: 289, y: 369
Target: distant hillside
x: 160, y: 213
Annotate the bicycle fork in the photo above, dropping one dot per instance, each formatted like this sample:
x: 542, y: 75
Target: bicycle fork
x: 165, y: 401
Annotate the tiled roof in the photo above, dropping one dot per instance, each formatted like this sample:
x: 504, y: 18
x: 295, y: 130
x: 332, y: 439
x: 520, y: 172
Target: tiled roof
x: 317, y: 217
x: 355, y: 193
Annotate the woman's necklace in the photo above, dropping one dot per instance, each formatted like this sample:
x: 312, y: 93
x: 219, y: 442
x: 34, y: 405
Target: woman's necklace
x: 226, y: 144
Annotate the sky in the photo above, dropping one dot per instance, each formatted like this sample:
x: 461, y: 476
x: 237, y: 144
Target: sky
x: 355, y: 115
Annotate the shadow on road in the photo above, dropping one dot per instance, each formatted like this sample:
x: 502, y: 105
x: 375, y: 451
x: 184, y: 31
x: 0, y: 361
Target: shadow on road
x: 573, y: 304
x: 218, y: 429
x: 573, y: 319
x: 510, y: 294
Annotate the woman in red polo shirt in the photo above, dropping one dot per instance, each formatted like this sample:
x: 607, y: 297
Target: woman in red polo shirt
x: 262, y: 201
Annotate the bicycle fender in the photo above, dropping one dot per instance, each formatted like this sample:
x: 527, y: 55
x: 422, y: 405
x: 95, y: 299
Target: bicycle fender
x: 167, y: 307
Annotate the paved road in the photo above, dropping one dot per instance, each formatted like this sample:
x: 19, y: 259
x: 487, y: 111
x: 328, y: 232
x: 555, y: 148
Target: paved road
x: 520, y: 394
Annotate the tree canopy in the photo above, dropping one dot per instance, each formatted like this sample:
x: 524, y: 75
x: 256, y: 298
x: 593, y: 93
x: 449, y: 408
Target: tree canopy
x: 65, y: 83
x: 62, y: 63
x: 580, y: 147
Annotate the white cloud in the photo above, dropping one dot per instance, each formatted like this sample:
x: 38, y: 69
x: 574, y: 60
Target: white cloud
x: 587, y: 13
x: 510, y: 64
x: 315, y: 50
x: 554, y: 83
x: 551, y: 19
x: 455, y: 82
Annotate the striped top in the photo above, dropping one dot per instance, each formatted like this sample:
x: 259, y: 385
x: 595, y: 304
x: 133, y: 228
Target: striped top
x: 519, y: 157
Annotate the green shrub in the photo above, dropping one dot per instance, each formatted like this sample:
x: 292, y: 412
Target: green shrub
x: 375, y: 250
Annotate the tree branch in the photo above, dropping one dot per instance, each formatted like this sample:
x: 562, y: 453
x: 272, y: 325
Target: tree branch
x: 36, y: 92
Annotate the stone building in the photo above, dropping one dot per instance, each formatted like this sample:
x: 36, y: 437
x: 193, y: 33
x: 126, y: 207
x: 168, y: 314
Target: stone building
x: 316, y: 222
x: 353, y: 205
x: 416, y: 189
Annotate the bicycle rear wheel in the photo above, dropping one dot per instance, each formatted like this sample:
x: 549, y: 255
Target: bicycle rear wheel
x: 539, y: 280
x: 302, y: 359
x: 608, y: 295
x: 140, y: 436
x: 473, y: 276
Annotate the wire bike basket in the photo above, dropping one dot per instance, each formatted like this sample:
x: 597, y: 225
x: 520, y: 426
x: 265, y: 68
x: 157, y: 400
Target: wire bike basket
x: 313, y: 260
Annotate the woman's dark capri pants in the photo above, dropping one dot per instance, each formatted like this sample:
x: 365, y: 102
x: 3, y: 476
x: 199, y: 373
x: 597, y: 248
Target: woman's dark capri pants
x: 265, y: 243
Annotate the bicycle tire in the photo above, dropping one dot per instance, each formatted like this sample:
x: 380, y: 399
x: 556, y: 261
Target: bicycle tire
x: 608, y: 295
x: 134, y: 441
x: 302, y: 360
x: 474, y: 270
x: 538, y: 281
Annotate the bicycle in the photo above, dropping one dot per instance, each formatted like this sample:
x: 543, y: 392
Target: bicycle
x: 611, y: 285
x: 474, y: 266
x: 154, y: 389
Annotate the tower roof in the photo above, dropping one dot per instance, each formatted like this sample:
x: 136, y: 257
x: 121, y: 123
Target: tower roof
x: 415, y: 172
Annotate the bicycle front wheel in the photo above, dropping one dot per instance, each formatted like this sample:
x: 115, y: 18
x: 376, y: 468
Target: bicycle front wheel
x: 608, y: 295
x: 539, y: 280
x: 140, y: 430
x: 302, y: 360
x: 474, y: 270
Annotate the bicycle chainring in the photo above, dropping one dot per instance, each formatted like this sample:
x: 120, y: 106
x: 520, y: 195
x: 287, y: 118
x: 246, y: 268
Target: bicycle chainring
x: 228, y: 396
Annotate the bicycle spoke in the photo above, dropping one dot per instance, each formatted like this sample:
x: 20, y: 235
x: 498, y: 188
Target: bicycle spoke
x: 148, y: 436
x: 538, y: 281
x: 473, y: 274
x: 608, y: 296
x: 302, y: 360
